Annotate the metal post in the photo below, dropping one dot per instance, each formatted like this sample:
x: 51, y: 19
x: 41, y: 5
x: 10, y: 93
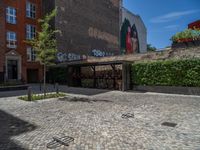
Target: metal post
x: 94, y: 76
x: 40, y: 86
x: 29, y: 94
x: 57, y: 88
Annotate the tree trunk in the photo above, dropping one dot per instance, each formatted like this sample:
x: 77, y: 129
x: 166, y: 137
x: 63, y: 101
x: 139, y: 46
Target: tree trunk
x: 44, y: 81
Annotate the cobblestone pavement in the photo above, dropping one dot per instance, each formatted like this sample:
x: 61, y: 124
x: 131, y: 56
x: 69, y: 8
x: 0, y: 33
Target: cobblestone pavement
x: 95, y: 122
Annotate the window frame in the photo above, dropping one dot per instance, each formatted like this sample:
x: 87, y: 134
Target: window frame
x: 31, y: 10
x: 11, y: 17
x: 11, y: 41
x: 29, y: 33
x: 31, y: 54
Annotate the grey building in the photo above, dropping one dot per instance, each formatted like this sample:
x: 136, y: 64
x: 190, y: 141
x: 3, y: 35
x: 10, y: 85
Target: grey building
x: 137, y: 26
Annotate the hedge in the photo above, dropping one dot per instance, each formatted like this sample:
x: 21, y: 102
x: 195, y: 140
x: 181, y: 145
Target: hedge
x: 167, y: 73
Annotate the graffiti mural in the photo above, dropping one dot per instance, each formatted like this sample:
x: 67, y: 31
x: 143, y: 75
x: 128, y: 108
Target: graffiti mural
x: 63, y: 57
x: 129, y: 38
x: 100, y: 53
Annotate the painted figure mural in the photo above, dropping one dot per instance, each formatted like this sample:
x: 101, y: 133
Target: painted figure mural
x: 129, y: 38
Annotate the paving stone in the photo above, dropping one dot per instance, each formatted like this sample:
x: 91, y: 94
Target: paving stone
x: 98, y: 124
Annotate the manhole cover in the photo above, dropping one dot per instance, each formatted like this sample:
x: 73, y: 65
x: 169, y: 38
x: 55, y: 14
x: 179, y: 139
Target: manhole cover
x: 59, y: 141
x: 128, y: 115
x: 169, y: 124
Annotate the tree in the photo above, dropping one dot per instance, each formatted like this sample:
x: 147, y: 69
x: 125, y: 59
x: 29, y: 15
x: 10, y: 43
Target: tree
x: 151, y: 48
x: 45, y: 44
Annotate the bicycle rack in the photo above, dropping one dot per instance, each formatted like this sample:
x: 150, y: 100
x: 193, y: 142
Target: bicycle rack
x: 59, y: 141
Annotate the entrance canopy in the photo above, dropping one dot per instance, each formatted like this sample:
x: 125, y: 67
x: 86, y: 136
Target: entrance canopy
x: 118, y: 82
x: 86, y: 63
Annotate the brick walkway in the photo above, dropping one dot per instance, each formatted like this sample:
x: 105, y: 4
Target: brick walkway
x: 95, y: 122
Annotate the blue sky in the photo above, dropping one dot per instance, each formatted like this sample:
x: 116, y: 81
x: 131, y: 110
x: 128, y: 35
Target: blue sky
x: 163, y: 18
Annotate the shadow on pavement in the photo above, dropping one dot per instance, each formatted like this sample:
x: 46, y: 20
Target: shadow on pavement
x: 37, y: 89
x: 13, y: 93
x: 12, y: 126
x: 81, y: 99
x: 83, y: 91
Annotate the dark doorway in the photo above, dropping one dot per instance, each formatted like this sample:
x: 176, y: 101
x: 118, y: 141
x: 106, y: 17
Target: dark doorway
x: 32, y: 75
x: 12, y: 69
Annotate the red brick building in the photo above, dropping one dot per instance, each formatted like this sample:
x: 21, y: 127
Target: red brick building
x: 194, y: 25
x: 18, y: 22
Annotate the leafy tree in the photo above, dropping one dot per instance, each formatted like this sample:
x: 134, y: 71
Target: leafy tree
x: 151, y: 48
x: 45, y: 44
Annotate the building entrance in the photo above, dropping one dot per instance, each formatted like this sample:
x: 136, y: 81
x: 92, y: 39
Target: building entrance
x: 12, y: 69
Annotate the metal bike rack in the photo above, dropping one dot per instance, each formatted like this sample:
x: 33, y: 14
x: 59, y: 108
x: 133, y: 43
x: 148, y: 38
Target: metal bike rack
x: 127, y: 116
x: 59, y: 141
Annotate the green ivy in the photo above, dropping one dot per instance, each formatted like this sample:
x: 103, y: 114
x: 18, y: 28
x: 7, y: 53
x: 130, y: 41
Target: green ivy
x: 167, y: 73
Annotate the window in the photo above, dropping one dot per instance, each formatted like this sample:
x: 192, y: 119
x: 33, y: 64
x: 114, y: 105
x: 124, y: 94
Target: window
x: 30, y: 10
x: 11, y: 39
x: 31, y: 55
x: 11, y: 15
x: 30, y: 32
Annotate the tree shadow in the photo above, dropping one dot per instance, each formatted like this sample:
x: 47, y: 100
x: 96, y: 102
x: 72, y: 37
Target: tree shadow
x: 83, y: 91
x: 82, y: 99
x: 12, y: 126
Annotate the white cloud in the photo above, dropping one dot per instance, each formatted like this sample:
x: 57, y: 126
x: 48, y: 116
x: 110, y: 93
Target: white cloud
x: 170, y: 27
x: 172, y: 16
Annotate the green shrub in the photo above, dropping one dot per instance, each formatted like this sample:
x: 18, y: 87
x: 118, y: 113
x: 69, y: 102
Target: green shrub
x: 167, y: 73
x: 186, y: 34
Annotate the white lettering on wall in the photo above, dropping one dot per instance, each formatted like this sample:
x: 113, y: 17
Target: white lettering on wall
x: 100, y: 53
x: 62, y: 57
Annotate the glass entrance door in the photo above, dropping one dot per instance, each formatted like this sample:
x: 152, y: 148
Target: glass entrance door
x: 12, y: 69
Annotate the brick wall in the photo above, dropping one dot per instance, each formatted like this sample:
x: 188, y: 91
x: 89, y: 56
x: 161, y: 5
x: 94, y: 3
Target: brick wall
x: 88, y: 25
x: 20, y: 29
x: 2, y: 39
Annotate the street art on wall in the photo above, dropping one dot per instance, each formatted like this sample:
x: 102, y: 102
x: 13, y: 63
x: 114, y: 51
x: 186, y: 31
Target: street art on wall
x: 129, y: 38
x: 100, y: 53
x: 63, y: 57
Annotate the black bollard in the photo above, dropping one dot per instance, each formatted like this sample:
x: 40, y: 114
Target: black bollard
x: 40, y: 86
x: 29, y: 94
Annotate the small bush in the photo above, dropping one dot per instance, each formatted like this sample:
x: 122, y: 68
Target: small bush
x: 185, y: 35
x: 167, y: 73
x: 36, y: 97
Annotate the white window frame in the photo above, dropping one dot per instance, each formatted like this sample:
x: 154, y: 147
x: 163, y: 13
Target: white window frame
x: 30, y: 32
x: 11, y: 15
x: 31, y: 54
x: 30, y: 10
x: 11, y: 38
